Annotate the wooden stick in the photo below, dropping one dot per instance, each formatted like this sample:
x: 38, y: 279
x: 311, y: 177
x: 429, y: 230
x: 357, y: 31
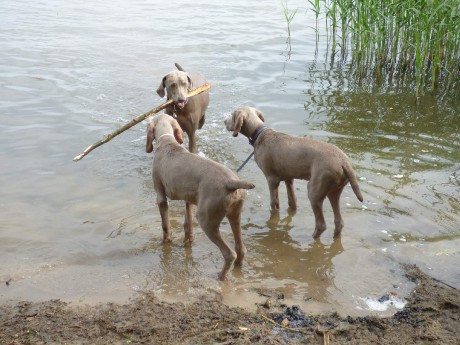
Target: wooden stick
x: 136, y: 121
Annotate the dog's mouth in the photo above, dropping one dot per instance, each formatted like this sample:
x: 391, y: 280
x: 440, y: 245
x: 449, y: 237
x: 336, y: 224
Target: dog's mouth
x: 180, y: 104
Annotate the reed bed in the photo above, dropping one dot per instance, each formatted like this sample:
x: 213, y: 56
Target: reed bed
x: 415, y: 42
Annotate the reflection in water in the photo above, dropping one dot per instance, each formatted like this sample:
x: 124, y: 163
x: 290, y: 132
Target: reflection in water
x: 392, y: 138
x: 284, y: 259
x: 176, y: 266
x: 171, y: 261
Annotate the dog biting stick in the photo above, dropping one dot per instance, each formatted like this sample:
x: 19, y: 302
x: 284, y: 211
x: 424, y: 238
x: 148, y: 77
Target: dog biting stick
x: 136, y: 121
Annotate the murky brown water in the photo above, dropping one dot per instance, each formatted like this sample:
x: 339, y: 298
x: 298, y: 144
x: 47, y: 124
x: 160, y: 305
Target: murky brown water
x: 71, y: 72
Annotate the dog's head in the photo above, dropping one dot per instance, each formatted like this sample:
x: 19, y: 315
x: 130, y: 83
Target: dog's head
x: 162, y: 125
x: 177, y: 85
x: 244, y: 120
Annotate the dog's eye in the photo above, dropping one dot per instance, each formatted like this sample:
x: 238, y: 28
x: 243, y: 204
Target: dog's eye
x: 174, y: 85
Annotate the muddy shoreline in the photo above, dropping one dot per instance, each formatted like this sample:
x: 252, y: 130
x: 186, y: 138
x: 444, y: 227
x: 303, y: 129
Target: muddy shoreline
x: 431, y: 316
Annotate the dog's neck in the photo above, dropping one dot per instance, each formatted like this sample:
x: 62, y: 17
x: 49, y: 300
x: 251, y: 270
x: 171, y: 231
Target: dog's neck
x: 163, y: 135
x: 258, y: 131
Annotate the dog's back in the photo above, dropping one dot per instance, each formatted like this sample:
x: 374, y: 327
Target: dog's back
x: 291, y: 157
x: 189, y: 177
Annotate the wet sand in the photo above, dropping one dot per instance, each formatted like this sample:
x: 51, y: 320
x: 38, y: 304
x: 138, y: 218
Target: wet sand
x: 431, y: 316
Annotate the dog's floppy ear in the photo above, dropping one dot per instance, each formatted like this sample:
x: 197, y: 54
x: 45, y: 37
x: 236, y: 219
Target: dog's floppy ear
x: 190, y: 83
x: 239, y: 117
x: 178, y: 133
x: 161, y: 88
x: 260, y: 115
x: 150, y: 136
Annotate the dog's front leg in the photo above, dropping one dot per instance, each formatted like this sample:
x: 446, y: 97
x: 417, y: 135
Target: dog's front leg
x: 192, y: 143
x: 292, y: 199
x: 162, y: 202
x: 188, y: 224
x: 273, y: 186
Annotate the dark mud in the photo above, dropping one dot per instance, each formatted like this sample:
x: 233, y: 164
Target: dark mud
x: 431, y: 316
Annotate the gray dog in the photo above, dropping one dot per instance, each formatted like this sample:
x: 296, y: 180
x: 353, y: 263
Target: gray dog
x: 215, y: 189
x: 189, y: 112
x: 283, y: 157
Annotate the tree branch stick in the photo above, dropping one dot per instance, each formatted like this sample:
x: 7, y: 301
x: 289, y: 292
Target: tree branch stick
x: 135, y: 121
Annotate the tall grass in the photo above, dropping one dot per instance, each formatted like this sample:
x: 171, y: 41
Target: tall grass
x: 288, y: 16
x: 415, y: 42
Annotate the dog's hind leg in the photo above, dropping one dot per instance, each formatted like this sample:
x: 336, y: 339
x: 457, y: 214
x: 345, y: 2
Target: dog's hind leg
x: 334, y: 198
x: 211, y: 229
x: 234, y: 218
x: 228, y: 254
x: 317, y: 196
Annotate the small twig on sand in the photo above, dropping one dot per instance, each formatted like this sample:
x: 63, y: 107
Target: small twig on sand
x: 136, y: 121
x: 325, y: 335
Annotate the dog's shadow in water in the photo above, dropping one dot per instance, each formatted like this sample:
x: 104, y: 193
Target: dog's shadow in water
x: 276, y: 255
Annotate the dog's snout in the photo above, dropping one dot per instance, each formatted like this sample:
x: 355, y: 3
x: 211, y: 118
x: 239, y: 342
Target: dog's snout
x: 228, y: 123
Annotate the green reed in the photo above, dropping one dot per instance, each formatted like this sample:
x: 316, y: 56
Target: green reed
x: 415, y: 42
x: 288, y: 16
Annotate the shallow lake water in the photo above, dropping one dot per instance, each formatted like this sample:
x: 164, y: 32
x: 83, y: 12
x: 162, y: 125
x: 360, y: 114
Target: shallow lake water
x: 87, y: 232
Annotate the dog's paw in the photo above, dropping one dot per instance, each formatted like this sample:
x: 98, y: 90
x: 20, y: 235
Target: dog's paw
x: 167, y: 240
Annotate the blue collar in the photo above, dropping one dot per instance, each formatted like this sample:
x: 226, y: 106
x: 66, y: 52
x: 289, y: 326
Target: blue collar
x: 253, y: 139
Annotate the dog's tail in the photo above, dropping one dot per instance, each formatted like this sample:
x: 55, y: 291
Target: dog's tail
x: 233, y: 185
x: 353, y: 181
x: 179, y: 67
